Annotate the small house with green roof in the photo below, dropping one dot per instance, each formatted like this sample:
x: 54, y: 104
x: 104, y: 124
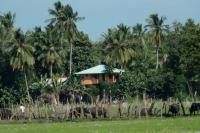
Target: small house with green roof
x: 97, y: 74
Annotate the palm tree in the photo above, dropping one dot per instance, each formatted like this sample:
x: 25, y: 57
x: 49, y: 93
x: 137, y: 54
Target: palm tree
x: 64, y: 18
x: 51, y: 50
x: 139, y: 35
x: 117, y: 45
x: 21, y: 54
x: 157, y: 28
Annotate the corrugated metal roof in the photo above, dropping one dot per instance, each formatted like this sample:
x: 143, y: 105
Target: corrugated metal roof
x: 99, y: 69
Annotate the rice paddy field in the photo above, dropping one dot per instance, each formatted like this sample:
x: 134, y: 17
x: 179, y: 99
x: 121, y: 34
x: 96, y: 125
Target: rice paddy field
x: 151, y: 125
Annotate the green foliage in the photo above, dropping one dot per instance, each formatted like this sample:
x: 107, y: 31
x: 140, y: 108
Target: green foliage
x: 53, y: 50
x: 21, y: 53
x: 6, y: 97
x: 64, y: 19
x: 137, y: 83
x: 72, y: 84
x: 131, y: 83
x: 157, y: 29
x: 117, y: 47
x: 39, y: 88
x: 83, y: 54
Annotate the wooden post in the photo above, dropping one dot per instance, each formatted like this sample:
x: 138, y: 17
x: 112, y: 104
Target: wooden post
x: 161, y: 108
x: 72, y: 106
x: 82, y: 112
x: 120, y: 108
x: 12, y: 110
x: 145, y: 105
x: 46, y: 113
x: 110, y: 105
x: 97, y: 106
x: 104, y: 99
x: 29, y: 111
x: 138, y: 108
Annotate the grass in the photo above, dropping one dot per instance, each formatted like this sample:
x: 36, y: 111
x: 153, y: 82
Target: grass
x: 152, y: 125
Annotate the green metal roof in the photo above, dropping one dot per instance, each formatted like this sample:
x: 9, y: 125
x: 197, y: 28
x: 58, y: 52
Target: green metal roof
x: 99, y: 69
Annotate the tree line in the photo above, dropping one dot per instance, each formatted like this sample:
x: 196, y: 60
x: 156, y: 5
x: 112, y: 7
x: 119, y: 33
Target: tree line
x: 162, y: 60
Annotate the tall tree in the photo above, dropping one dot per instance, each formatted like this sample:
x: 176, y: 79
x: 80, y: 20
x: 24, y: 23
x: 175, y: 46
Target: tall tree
x: 65, y: 18
x: 157, y: 28
x: 139, y: 34
x: 21, y: 54
x: 83, y: 53
x: 36, y: 38
x: 117, y: 46
x: 51, y: 50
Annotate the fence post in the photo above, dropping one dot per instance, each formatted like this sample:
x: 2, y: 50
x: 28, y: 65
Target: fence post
x: 109, y: 110
x: 46, y: 112
x: 145, y: 105
x: 138, y: 108
x: 97, y: 106
x: 161, y: 108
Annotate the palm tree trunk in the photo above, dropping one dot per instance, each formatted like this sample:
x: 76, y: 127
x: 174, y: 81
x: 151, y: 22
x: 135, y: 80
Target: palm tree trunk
x: 157, y: 58
x: 27, y: 89
x: 70, y: 60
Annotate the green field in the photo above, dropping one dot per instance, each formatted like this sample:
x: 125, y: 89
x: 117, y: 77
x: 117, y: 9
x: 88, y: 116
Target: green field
x: 165, y: 125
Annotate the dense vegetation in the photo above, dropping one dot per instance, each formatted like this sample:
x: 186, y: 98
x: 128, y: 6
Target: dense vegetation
x: 159, y: 59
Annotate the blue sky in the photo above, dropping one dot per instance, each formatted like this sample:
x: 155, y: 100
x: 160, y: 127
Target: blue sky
x: 102, y: 14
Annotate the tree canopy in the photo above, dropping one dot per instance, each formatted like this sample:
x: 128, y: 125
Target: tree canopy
x: 159, y: 59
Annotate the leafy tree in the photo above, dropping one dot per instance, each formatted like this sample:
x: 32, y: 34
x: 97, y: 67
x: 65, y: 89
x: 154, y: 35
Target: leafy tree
x: 6, y: 97
x: 139, y: 35
x: 39, y: 88
x: 117, y: 46
x: 21, y: 54
x: 37, y: 38
x: 182, y: 58
x: 51, y: 50
x: 83, y: 53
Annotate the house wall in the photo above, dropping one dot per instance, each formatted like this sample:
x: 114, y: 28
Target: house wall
x: 96, y: 79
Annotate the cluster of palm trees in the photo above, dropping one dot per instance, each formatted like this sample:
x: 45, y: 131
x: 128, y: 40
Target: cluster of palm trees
x: 119, y: 44
x: 60, y: 32
x: 49, y: 47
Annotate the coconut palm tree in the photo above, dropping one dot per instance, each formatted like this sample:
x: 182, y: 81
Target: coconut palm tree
x: 139, y: 35
x: 117, y: 45
x: 64, y: 18
x: 157, y: 28
x: 21, y: 54
x: 51, y: 50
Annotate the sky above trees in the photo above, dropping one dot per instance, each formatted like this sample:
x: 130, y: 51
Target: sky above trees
x: 102, y: 14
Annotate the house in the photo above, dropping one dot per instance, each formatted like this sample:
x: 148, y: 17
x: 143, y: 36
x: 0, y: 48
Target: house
x: 97, y: 74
